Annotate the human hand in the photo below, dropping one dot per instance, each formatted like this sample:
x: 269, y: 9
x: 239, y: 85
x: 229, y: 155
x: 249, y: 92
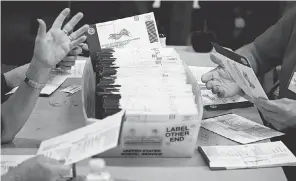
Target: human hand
x: 51, y: 47
x: 70, y: 59
x: 220, y: 81
x: 280, y: 113
x: 40, y: 168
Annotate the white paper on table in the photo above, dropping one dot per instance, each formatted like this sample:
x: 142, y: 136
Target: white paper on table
x: 239, y: 129
x: 209, y: 98
x: 54, y: 82
x: 257, y: 155
x: 199, y: 71
x: 72, y: 89
x: 12, y: 91
x: 11, y: 161
x: 135, y: 31
x: 84, y: 142
x: 77, y: 69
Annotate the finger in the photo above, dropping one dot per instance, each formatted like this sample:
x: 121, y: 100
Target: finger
x: 221, y: 93
x: 84, y: 46
x: 212, y: 83
x: 268, y: 105
x: 76, y: 42
x: 67, y: 63
x: 79, y: 32
x: 213, y: 74
x: 269, y: 118
x: 207, y: 77
x: 65, y: 67
x: 42, y: 29
x: 61, y: 18
x: 71, y: 24
x: 75, y: 51
x: 69, y: 59
x: 282, y: 101
x: 216, y: 60
x: 215, y: 89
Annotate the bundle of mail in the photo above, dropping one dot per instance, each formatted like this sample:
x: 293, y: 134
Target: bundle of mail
x: 149, y: 84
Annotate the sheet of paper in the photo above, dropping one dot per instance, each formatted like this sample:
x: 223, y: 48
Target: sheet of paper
x: 241, y: 71
x: 249, y: 156
x: 136, y: 31
x: 11, y: 161
x: 77, y: 69
x: 72, y: 89
x: 54, y: 82
x: 12, y: 91
x: 199, y: 71
x: 84, y: 142
x: 239, y: 129
x: 209, y: 98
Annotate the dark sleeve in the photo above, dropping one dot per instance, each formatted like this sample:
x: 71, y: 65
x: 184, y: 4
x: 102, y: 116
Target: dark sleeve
x: 4, y: 89
x: 271, y: 45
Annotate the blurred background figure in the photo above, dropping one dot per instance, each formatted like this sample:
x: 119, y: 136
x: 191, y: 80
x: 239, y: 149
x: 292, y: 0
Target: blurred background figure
x: 235, y: 23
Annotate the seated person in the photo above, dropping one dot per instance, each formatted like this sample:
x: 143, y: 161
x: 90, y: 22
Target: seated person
x: 276, y: 46
x: 50, y: 48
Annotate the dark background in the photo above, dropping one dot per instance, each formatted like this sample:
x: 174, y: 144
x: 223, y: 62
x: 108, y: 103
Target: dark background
x: 177, y: 20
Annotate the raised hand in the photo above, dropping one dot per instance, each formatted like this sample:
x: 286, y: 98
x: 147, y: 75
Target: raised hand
x: 53, y: 46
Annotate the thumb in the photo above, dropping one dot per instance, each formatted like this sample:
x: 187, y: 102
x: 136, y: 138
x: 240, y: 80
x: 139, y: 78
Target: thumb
x: 216, y: 60
x: 42, y: 28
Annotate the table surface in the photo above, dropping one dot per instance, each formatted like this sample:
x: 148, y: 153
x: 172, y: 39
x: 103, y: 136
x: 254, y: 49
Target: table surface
x: 47, y: 121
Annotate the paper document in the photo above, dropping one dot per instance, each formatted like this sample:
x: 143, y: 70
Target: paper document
x: 241, y: 71
x: 270, y: 154
x: 239, y: 129
x: 54, y: 82
x: 199, y: 71
x: 11, y: 161
x: 136, y: 31
x: 77, y: 69
x: 84, y: 142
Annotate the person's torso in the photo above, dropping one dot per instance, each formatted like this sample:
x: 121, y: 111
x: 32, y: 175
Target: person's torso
x: 288, y: 68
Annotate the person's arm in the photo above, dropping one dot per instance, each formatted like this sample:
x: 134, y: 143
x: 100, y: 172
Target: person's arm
x: 16, y: 76
x: 267, y: 51
x: 249, y: 51
x: 17, y: 109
